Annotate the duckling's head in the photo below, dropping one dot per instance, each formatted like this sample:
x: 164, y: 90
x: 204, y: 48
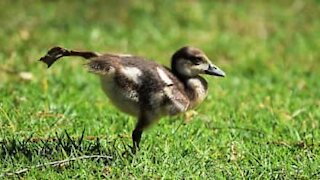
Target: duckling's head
x: 190, y: 62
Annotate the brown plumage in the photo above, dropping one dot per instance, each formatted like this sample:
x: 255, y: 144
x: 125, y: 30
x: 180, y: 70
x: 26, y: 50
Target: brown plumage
x: 145, y: 89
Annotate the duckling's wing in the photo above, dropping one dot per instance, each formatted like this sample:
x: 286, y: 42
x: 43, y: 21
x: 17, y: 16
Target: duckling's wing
x: 162, y: 91
x: 177, y: 99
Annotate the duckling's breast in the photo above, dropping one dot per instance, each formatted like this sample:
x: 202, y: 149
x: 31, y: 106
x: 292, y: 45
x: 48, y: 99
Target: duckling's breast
x: 197, y: 89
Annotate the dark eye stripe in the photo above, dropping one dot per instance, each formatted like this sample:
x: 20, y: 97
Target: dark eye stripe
x: 196, y: 60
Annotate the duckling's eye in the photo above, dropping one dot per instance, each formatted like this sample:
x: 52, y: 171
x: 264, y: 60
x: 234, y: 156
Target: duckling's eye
x: 197, y: 60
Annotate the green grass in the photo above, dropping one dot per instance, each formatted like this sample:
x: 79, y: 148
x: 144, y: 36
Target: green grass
x: 261, y: 121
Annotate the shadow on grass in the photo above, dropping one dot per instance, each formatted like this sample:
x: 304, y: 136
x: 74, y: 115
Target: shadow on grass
x: 53, y: 151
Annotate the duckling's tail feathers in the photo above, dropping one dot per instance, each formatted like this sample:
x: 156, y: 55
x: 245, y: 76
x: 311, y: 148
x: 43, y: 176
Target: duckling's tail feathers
x: 57, y: 52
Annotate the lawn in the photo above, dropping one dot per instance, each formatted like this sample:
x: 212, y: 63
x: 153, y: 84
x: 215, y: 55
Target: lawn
x: 261, y: 121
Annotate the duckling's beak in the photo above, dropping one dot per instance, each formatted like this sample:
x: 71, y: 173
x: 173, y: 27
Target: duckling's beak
x: 215, y: 71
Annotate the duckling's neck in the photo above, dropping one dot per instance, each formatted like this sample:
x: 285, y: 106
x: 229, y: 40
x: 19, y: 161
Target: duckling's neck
x: 196, y: 89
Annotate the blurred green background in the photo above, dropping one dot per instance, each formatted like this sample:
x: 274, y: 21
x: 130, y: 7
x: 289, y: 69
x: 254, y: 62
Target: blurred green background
x: 262, y: 120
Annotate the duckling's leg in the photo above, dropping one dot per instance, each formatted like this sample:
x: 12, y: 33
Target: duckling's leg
x: 136, y: 136
x: 143, y: 121
x: 57, y: 52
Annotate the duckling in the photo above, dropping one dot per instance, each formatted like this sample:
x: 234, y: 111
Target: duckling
x: 144, y: 88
